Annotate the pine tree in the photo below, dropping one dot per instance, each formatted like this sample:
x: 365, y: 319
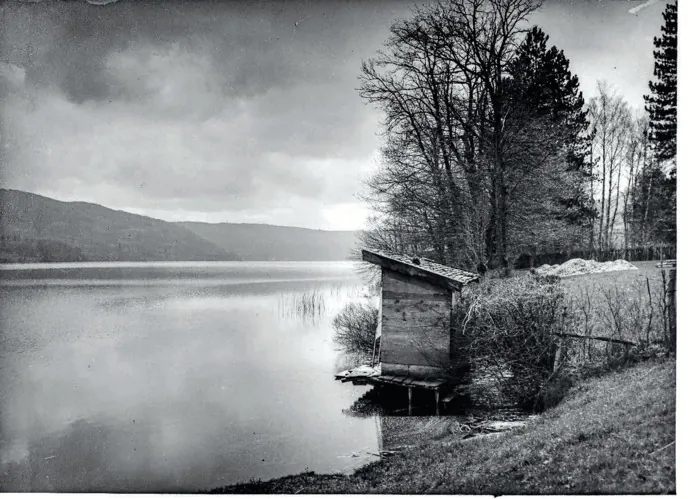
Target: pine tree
x: 653, y: 201
x: 546, y: 85
x: 661, y: 104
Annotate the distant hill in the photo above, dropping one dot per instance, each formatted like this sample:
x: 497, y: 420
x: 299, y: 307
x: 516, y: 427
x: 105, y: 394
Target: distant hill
x: 274, y: 242
x: 35, y: 228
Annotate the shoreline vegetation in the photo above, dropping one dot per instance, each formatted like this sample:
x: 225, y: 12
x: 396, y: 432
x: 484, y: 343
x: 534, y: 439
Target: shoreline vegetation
x: 612, y: 434
x: 608, y: 424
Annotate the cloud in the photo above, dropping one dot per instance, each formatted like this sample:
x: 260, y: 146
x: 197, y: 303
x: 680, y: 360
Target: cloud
x: 209, y: 112
x: 12, y: 78
x: 231, y: 159
x: 603, y: 42
x: 147, y: 148
x: 12, y: 74
x: 638, y: 8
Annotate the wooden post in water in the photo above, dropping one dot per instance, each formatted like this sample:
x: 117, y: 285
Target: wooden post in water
x: 437, y: 402
x: 410, y: 396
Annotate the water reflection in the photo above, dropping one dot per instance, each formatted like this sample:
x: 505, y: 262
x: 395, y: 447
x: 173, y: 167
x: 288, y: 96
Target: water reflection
x: 396, y: 430
x: 180, y: 388
x: 81, y: 458
x: 172, y: 388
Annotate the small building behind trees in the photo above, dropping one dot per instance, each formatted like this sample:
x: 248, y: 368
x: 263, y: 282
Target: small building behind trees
x: 416, y: 314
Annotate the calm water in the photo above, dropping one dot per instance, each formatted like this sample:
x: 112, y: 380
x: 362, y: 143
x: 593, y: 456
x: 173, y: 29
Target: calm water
x: 173, y: 377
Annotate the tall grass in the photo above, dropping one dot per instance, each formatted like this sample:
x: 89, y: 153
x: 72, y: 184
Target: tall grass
x: 315, y: 304
x: 309, y: 305
x: 629, y: 307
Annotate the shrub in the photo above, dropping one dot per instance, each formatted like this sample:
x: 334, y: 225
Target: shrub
x: 355, y: 328
x: 508, y: 337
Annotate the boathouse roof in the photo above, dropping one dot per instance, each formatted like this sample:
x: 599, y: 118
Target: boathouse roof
x: 441, y: 275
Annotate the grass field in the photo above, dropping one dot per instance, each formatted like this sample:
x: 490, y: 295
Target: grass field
x: 627, y: 280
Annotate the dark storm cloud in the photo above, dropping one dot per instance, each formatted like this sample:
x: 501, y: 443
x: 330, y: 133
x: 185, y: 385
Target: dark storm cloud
x: 255, y: 45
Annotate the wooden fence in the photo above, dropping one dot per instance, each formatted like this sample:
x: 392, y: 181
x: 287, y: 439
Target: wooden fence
x: 531, y: 259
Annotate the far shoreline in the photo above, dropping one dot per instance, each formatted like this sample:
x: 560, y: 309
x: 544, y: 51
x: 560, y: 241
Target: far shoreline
x: 156, y: 263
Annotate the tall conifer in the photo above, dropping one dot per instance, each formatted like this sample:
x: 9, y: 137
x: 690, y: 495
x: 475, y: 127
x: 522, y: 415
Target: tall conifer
x: 661, y: 104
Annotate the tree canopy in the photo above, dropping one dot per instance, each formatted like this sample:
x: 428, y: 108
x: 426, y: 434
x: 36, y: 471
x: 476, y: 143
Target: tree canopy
x: 485, y: 134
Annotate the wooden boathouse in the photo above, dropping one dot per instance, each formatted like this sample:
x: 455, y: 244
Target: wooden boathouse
x: 416, y: 327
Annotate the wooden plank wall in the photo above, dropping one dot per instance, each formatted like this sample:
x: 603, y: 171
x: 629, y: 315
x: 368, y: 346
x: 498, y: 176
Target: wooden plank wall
x: 415, y: 325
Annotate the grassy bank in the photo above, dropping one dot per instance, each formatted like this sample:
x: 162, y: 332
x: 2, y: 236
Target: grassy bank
x: 610, y: 435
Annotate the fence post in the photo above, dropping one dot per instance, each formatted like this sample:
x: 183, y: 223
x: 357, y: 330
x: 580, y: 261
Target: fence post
x: 672, y: 307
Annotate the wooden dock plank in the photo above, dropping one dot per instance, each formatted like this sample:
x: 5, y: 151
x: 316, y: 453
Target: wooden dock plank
x: 407, y: 381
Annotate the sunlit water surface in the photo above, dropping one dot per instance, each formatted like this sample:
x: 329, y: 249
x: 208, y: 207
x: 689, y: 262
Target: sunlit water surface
x: 174, y: 377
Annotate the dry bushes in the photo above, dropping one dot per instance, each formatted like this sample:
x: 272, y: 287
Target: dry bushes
x: 633, y: 310
x: 355, y: 327
x: 509, y: 337
x: 514, y: 333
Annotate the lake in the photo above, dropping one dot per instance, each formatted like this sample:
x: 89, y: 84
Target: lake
x: 174, y: 376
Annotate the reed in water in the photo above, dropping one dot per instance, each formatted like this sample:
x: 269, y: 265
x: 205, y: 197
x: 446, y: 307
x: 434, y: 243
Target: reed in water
x: 307, y: 305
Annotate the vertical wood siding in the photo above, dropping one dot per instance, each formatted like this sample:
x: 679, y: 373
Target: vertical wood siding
x: 415, y: 324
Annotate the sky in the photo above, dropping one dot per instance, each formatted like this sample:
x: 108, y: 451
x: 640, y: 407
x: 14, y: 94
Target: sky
x: 236, y: 111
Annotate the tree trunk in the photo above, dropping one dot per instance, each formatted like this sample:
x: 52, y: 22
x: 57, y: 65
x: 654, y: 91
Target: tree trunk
x: 602, y: 198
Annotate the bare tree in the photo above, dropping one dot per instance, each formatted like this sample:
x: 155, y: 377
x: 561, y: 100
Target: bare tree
x: 441, y: 82
x: 483, y: 39
x: 482, y: 134
x: 611, y: 120
x: 425, y: 181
